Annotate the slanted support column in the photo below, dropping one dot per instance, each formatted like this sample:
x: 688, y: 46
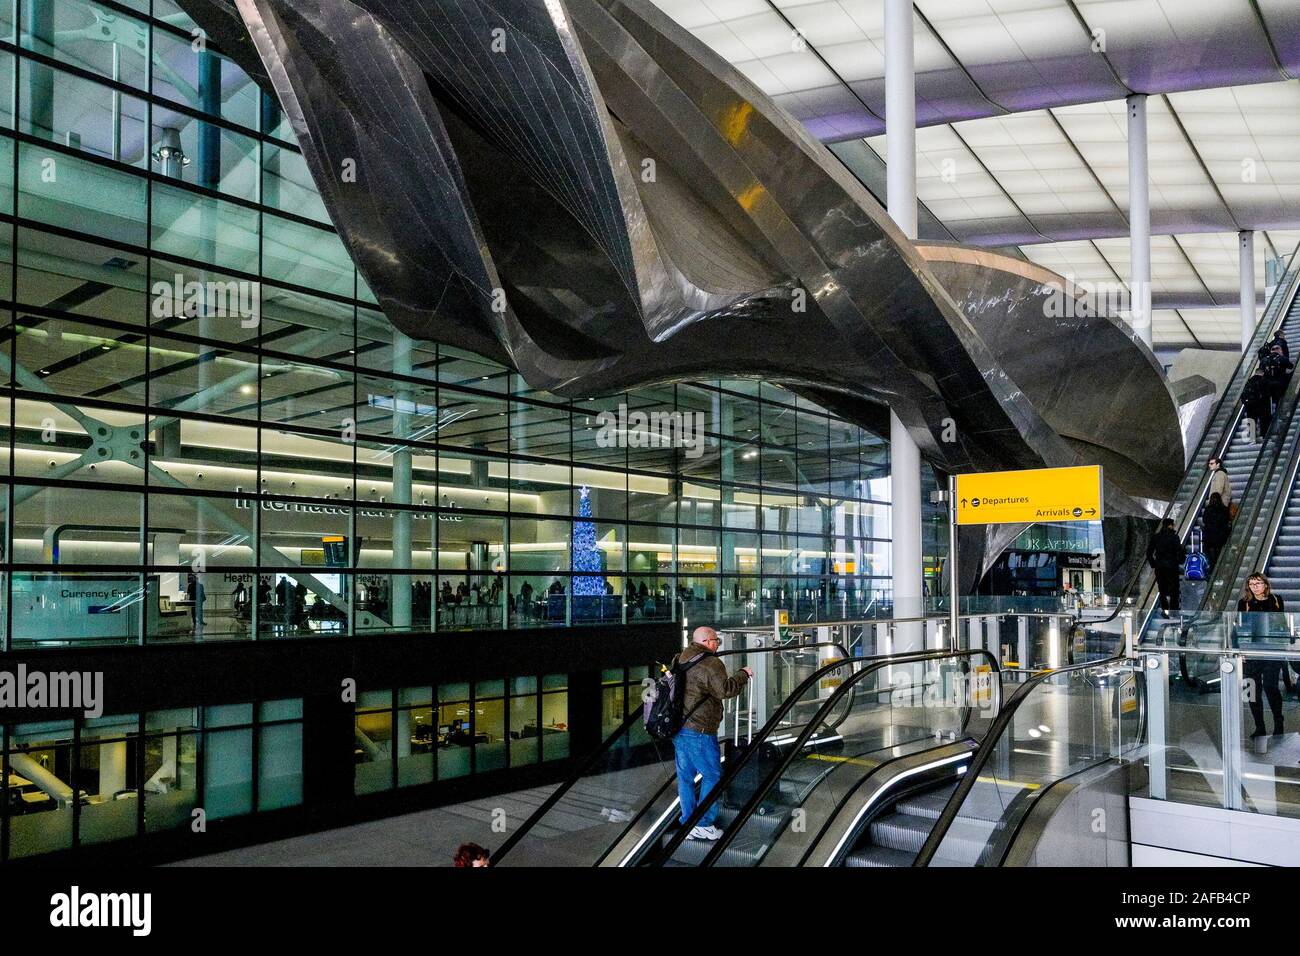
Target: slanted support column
x: 1246, y: 246
x: 1139, y: 218
x: 904, y: 456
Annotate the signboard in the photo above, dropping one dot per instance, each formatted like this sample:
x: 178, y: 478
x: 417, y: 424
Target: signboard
x: 1024, y: 497
x: 1128, y: 702
x: 983, y: 696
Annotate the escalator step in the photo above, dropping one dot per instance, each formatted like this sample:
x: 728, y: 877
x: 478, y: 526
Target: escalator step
x: 692, y: 852
x: 879, y: 856
x: 929, y: 804
x: 901, y: 831
x: 965, y: 842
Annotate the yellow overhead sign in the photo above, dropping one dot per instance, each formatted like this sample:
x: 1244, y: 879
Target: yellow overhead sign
x: 1023, y: 497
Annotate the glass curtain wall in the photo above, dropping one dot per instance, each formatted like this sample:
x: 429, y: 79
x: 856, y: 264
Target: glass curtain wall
x: 215, y: 434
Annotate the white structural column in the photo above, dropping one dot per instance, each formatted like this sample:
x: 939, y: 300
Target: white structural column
x: 900, y: 115
x: 1139, y: 218
x: 1246, y: 245
x: 904, y: 456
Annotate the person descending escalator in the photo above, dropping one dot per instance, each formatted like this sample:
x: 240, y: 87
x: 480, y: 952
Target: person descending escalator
x: 1278, y: 340
x: 1259, y: 601
x: 1220, y: 483
x: 1277, y: 370
x: 1216, y: 523
x: 1258, y: 402
x: 1165, y: 555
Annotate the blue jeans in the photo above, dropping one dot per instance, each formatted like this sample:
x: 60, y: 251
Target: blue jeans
x: 697, y: 753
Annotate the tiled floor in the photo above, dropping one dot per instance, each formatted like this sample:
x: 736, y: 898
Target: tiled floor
x: 426, y: 838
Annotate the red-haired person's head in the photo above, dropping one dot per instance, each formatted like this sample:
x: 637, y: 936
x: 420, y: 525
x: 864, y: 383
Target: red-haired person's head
x: 471, y: 854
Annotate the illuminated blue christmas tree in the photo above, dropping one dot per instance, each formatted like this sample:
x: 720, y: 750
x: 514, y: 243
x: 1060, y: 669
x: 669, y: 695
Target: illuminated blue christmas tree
x: 588, y: 562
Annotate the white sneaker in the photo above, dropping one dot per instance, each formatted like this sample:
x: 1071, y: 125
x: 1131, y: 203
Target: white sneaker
x: 705, y: 833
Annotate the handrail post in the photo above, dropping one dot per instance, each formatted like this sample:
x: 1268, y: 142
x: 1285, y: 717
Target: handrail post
x: 1230, y: 687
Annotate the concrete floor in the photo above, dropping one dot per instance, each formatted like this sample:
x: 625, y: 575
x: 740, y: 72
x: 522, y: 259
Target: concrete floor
x: 426, y: 838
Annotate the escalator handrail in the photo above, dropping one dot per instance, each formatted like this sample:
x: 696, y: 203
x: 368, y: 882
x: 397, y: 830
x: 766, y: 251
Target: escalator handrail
x: 1239, y: 551
x: 989, y: 745
x: 775, y: 774
x: 619, y: 734
x: 1228, y: 404
x: 795, y: 696
x: 866, y: 814
x: 1257, y: 557
x: 1010, y: 843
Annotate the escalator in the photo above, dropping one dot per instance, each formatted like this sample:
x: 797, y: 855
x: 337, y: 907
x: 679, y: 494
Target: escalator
x: 909, y: 721
x: 1271, y: 540
x: 1283, y: 568
x: 623, y: 797
x: 978, y: 773
x: 1064, y: 735
x: 1225, y: 437
x: 1265, y: 536
x: 1255, y: 471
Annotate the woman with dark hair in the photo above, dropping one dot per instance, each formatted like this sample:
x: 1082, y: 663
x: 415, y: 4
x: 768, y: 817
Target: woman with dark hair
x: 471, y: 854
x: 1258, y: 598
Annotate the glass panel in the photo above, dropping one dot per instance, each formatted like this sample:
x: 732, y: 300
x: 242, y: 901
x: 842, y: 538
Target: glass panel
x: 204, y: 229
x: 287, y: 184
x: 455, y: 741
x: 374, y: 752
x: 1072, y: 719
x: 525, y: 734
x: 88, y: 36
x: 228, y: 772
x: 203, y: 80
x: 555, y: 726
x: 171, y: 781
x: 38, y: 791
x: 417, y: 740
x: 86, y: 279
x: 76, y: 608
x: 489, y: 735
x: 77, y: 194
x: 215, y: 157
x: 630, y: 785
x: 106, y: 773
x: 279, y: 781
x: 78, y: 113
x: 305, y: 256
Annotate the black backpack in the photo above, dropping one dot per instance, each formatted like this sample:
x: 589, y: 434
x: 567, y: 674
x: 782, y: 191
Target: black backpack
x: 663, y: 706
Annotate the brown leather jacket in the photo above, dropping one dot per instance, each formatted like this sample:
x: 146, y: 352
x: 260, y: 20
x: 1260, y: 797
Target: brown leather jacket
x: 708, y: 685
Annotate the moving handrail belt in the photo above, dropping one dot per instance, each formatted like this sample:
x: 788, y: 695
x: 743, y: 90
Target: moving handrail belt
x: 621, y: 732
x: 733, y: 767
x: 871, y: 666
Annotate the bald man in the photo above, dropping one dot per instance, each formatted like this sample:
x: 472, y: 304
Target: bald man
x: 696, y: 744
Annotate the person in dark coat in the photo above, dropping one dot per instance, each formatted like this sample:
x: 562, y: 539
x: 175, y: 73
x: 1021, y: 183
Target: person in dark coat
x: 1258, y: 599
x: 1277, y: 370
x: 1258, y: 402
x: 1166, y: 556
x: 1216, y: 523
x: 1278, y: 340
